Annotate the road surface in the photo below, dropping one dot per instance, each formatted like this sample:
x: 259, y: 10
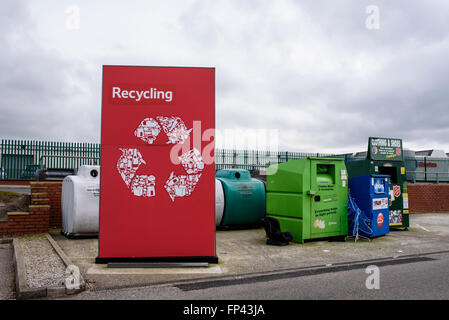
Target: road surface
x: 423, y: 277
x: 6, y: 271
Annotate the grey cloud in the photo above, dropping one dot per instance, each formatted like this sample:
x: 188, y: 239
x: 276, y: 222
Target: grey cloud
x: 37, y: 84
x: 289, y: 66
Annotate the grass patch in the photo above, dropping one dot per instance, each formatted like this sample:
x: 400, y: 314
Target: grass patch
x: 13, y: 201
x: 10, y: 194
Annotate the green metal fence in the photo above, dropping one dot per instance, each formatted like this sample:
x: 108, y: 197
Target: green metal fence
x: 256, y: 160
x: 19, y: 159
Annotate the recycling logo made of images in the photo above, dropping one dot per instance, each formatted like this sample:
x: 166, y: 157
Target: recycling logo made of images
x: 131, y: 159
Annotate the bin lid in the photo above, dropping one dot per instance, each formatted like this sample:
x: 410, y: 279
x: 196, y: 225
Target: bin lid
x: 325, y: 159
x: 233, y: 174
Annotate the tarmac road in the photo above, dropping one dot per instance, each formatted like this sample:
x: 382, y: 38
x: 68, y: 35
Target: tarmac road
x: 6, y: 272
x: 423, y: 277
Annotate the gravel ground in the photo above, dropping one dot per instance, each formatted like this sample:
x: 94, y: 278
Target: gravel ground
x: 44, y: 268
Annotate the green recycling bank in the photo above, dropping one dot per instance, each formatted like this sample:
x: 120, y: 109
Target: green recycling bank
x: 308, y: 197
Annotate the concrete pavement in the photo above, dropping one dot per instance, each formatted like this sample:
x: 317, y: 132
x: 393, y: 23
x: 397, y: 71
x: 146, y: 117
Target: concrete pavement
x: 244, y: 252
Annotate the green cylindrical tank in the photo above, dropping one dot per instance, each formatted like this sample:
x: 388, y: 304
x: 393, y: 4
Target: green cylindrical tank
x: 244, y: 197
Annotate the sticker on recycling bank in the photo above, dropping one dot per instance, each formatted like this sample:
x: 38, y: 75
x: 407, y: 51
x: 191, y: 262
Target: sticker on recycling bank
x: 380, y: 203
x: 380, y: 220
x: 405, y: 200
x: 396, y: 191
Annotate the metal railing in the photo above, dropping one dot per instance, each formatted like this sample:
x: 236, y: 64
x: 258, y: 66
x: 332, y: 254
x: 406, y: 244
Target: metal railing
x: 92, y: 160
x: 18, y: 156
x: 255, y: 160
x: 427, y: 169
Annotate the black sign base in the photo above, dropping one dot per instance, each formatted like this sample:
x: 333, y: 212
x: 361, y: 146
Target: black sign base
x: 214, y: 260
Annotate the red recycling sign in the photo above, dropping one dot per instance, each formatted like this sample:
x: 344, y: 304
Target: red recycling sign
x: 157, y: 194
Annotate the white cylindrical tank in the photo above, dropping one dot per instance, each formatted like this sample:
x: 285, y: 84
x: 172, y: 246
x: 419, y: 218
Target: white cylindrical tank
x: 219, y: 202
x: 80, y: 202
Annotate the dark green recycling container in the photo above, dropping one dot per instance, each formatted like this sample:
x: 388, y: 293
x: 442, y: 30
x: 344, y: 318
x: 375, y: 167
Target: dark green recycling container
x: 244, y: 197
x: 385, y: 156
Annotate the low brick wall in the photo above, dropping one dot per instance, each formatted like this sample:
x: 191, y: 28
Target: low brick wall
x: 36, y: 220
x: 425, y: 198
x: 15, y: 182
x: 50, y: 191
x: 44, y: 212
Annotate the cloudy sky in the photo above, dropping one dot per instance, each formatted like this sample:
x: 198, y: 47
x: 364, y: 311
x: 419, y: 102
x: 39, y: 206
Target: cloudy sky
x: 326, y: 74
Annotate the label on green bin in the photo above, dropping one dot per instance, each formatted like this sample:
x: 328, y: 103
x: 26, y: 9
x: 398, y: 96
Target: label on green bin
x: 325, y: 220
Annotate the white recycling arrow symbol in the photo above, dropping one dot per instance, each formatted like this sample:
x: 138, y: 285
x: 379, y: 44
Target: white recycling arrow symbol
x: 131, y: 159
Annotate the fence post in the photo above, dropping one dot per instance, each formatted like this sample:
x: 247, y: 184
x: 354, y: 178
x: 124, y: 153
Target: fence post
x: 245, y: 158
x: 257, y: 159
x: 425, y: 169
